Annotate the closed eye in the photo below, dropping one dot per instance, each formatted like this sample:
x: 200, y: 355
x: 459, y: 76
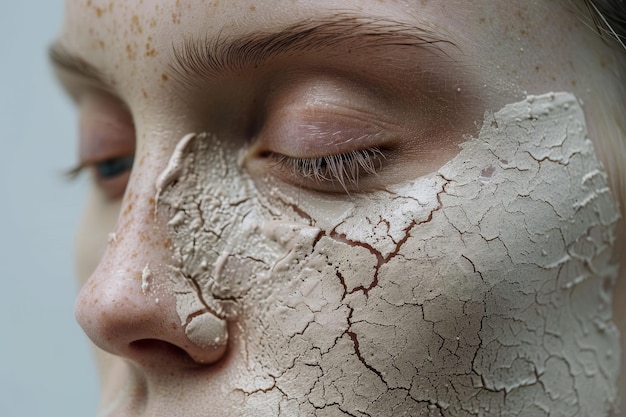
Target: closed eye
x: 344, y: 169
x: 113, y: 167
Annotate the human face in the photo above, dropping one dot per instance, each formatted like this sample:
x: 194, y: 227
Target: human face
x: 321, y: 245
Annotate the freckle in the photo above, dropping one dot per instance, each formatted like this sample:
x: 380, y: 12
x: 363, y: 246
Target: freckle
x: 135, y: 26
x: 153, y: 23
x: 481, y: 20
x: 164, y: 77
x: 574, y: 83
x: 145, y: 94
x: 252, y: 8
x: 101, y: 43
x: 167, y: 244
x: 111, y: 6
x: 151, y: 52
x: 537, y: 68
x: 99, y: 11
x: 130, y: 52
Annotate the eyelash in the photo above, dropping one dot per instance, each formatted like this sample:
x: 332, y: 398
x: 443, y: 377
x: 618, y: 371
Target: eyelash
x: 106, y: 169
x: 111, y: 168
x: 344, y: 168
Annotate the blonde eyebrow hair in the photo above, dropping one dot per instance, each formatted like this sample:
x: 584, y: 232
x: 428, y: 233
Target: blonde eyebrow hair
x: 343, y: 33
x: 63, y: 59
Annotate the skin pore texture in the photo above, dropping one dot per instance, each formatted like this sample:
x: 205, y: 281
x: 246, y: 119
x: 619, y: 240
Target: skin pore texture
x: 378, y: 208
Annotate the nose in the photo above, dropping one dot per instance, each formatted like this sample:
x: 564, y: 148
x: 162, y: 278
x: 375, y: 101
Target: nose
x: 128, y: 307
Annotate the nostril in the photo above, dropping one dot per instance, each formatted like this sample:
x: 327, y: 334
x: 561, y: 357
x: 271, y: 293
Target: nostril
x: 205, y: 342
x: 155, y: 352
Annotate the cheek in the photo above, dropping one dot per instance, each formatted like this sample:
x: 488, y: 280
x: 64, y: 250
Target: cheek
x: 94, y: 232
x: 492, y: 275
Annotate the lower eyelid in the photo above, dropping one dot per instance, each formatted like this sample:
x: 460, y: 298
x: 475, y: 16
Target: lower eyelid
x: 113, y: 188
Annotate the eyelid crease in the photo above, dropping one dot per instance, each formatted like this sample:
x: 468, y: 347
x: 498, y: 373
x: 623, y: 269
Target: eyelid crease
x: 320, y: 131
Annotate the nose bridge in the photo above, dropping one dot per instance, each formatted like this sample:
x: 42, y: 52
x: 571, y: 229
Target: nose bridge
x: 128, y: 307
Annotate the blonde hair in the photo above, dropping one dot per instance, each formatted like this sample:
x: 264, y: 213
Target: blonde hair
x: 608, y: 18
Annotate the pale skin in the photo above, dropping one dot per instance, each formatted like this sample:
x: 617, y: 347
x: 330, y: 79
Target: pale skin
x: 131, y: 101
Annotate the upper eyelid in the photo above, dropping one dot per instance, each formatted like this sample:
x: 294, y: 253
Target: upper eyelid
x: 106, y: 129
x: 315, y: 137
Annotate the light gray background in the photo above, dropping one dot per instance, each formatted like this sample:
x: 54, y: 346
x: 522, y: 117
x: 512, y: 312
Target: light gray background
x: 45, y: 363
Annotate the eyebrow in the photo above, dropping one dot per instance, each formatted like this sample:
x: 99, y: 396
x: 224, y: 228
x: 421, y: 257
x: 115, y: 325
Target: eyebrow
x: 344, y: 33
x: 212, y: 57
x: 62, y: 58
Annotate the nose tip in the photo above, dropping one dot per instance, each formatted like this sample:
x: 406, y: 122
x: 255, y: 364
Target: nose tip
x: 121, y: 317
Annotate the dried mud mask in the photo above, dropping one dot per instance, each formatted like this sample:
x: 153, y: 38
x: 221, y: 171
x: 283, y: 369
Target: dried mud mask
x: 481, y: 289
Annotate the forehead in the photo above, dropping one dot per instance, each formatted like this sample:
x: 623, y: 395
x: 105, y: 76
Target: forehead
x: 138, y: 38
x: 497, y: 52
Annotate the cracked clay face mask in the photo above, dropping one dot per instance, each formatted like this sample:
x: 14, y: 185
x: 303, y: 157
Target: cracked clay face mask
x: 481, y: 289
